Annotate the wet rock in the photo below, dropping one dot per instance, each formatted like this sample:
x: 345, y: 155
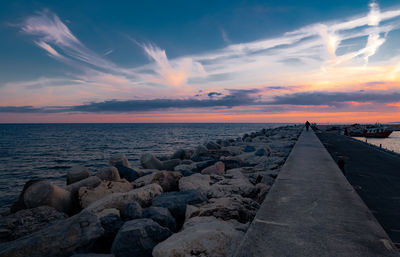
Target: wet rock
x: 27, y: 221
x: 149, y: 161
x: 45, y: 193
x: 19, y: 204
x: 76, y: 174
x: 88, y: 195
x: 217, y: 169
x: 109, y: 173
x: 170, y: 164
x: 127, y: 173
x: 196, y: 181
x: 143, y: 196
x: 61, y: 239
x: 162, y: 216
x: 176, y: 202
x: 213, y: 238
x: 168, y: 180
x: 119, y: 159
x: 138, y: 237
x: 227, y: 208
x: 133, y: 211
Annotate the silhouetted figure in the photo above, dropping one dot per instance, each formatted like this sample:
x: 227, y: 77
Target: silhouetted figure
x: 307, y: 125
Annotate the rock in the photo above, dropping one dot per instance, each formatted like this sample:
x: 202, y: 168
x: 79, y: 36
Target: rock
x: 233, y: 162
x: 187, y: 173
x: 206, y: 219
x: 19, y: 204
x: 204, y: 164
x: 162, y: 216
x: 145, y: 180
x: 90, y: 182
x: 217, y: 169
x: 168, y: 180
x: 212, y: 145
x: 249, y: 148
x: 180, y: 154
x: 109, y: 173
x: 212, y: 239
x: 61, y: 239
x: 149, y: 161
x: 138, y: 237
x: 25, y: 222
x: 88, y: 195
x: 77, y: 173
x: 262, y: 191
x: 170, y: 164
x: 92, y: 255
x: 45, y: 193
x: 127, y: 173
x: 106, y: 212
x: 233, y: 182
x: 227, y: 208
x: 111, y: 223
x: 119, y: 159
x: 186, y: 167
x: 133, y: 211
x: 201, y: 149
x: 263, y: 151
x: 233, y: 150
x: 196, y: 181
x: 176, y: 202
x: 143, y: 196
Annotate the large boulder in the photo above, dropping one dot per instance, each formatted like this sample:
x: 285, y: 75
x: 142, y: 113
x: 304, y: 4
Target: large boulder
x: 111, y: 223
x: 162, y: 216
x: 138, y: 237
x: 144, y: 180
x: 27, y: 221
x: 127, y: 173
x: 168, y: 180
x: 149, y: 161
x: 214, y: 238
x: 89, y: 195
x: 216, y: 169
x: 170, y: 164
x: 109, y: 173
x: 227, y: 208
x: 119, y: 159
x: 77, y: 173
x: 212, y: 145
x: 45, y: 193
x: 233, y: 182
x: 176, y: 202
x: 143, y: 196
x: 186, y: 167
x: 196, y: 181
x: 90, y: 182
x: 20, y: 204
x: 133, y: 211
x: 61, y: 239
x: 180, y: 154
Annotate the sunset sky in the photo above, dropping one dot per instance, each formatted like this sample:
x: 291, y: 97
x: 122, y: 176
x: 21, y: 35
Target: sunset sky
x: 200, y: 61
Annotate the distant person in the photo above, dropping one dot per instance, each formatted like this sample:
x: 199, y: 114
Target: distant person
x: 307, y: 125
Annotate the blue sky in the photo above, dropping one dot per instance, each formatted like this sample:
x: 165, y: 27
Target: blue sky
x: 151, y: 50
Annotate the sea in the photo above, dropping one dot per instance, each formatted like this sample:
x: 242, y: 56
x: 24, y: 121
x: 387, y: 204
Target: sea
x: 391, y: 143
x: 47, y: 151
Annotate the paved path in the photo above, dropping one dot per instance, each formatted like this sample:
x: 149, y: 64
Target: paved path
x: 375, y: 174
x: 312, y: 210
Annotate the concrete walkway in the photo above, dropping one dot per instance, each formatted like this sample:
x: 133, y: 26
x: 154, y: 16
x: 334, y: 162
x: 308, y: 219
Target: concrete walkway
x: 312, y: 210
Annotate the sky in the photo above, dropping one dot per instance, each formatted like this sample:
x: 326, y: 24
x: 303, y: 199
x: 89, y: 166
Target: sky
x: 200, y: 61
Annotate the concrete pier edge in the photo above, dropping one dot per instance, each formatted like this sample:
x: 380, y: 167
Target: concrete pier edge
x: 312, y: 210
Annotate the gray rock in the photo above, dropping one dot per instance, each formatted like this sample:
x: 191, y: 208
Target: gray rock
x: 90, y: 182
x: 168, y: 180
x: 61, y: 239
x: 212, y: 239
x: 162, y: 216
x: 249, y: 148
x: 19, y: 204
x: 176, y: 202
x: 180, y: 154
x: 196, y: 181
x: 133, y: 211
x: 233, y: 182
x: 27, y: 221
x: 89, y: 195
x: 212, y: 145
x: 119, y: 159
x: 92, y: 255
x: 77, y: 173
x: 217, y: 169
x: 227, y: 208
x: 204, y: 164
x: 127, y: 173
x: 111, y: 223
x: 186, y: 167
x: 143, y: 196
x: 109, y: 173
x: 149, y: 161
x: 138, y: 237
x: 170, y: 164
x: 45, y: 193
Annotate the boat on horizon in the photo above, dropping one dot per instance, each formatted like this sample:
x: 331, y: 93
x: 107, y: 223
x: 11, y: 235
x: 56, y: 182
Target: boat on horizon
x: 368, y: 131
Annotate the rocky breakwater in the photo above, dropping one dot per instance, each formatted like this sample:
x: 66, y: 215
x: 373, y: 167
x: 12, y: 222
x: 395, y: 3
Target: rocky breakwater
x: 196, y: 202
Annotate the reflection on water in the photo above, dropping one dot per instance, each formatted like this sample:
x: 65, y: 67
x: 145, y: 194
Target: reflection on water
x: 391, y: 143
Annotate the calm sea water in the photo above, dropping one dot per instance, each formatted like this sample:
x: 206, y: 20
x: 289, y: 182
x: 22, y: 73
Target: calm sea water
x: 391, y: 143
x: 47, y: 151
